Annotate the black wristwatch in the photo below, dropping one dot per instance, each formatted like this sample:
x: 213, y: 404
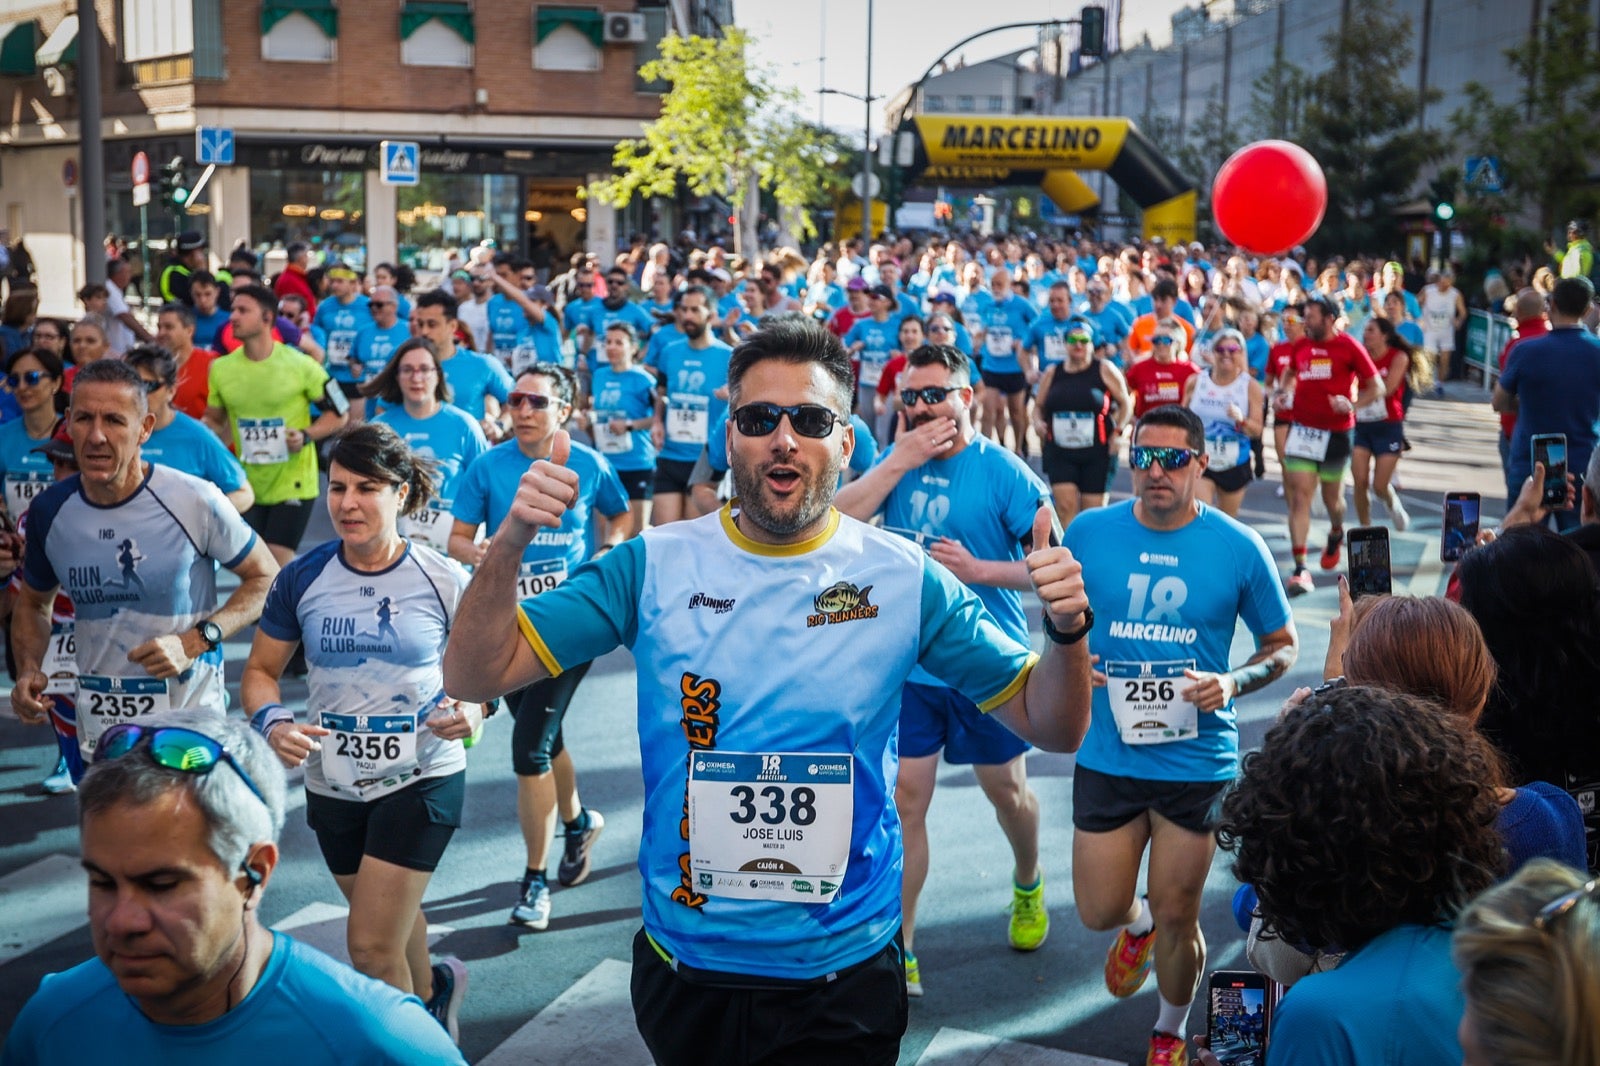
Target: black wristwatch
x: 211, y: 633
x: 1076, y: 635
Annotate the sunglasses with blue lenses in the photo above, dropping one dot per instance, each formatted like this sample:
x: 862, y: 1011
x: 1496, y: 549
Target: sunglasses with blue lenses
x: 928, y: 394
x: 807, y: 419
x: 1169, y: 458
x: 27, y: 377
x: 174, y: 747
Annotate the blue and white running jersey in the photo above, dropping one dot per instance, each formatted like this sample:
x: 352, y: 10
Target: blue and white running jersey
x: 374, y: 346
x: 693, y: 375
x: 538, y: 344
x: 341, y: 323
x: 25, y: 472
x: 879, y: 339
x: 1171, y: 599
x: 507, y: 320
x: 472, y: 376
x: 187, y: 445
x: 374, y: 643
x: 454, y: 441
x: 662, y: 339
x: 1003, y: 325
x: 986, y: 498
x: 748, y: 655
x: 143, y: 568
x: 629, y: 395
x: 1047, y: 337
x: 484, y: 497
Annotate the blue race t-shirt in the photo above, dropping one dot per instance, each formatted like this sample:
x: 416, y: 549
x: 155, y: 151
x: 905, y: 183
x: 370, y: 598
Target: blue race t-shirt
x: 484, y: 497
x: 1003, y: 325
x: 692, y: 376
x: 450, y: 437
x: 329, y: 1014
x: 340, y: 323
x: 374, y: 345
x: 630, y: 396
x: 206, y: 328
x: 187, y: 444
x: 25, y: 472
x: 507, y: 320
x: 1164, y: 601
x: 879, y: 338
x: 1046, y: 337
x: 472, y: 376
x: 1555, y: 379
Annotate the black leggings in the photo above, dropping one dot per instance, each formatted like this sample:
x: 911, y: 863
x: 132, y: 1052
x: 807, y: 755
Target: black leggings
x: 539, y: 710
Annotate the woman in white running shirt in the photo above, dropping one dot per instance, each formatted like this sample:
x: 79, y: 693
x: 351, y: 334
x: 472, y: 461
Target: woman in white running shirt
x: 1232, y: 405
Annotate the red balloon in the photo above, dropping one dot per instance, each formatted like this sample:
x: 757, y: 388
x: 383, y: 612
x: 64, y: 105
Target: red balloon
x: 1269, y: 196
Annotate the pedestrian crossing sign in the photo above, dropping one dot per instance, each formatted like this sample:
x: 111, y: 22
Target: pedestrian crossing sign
x: 400, y: 162
x: 1483, y: 174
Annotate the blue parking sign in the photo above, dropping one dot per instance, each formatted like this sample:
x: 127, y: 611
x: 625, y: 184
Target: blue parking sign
x: 400, y: 162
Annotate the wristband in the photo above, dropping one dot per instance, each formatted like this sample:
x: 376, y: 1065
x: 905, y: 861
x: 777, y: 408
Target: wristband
x: 269, y: 715
x: 1076, y: 635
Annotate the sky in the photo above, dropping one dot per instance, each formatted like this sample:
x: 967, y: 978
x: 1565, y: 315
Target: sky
x: 792, y: 35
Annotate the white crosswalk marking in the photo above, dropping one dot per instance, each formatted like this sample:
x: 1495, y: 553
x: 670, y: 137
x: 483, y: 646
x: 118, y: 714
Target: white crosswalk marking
x: 590, y: 1022
x: 957, y: 1047
x: 40, y: 902
x: 322, y: 925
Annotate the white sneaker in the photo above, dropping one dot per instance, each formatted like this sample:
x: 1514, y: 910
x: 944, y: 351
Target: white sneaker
x: 1397, y: 512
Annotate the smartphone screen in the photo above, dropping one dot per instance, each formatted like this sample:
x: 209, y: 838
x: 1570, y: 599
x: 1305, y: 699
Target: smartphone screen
x: 1551, y: 450
x: 1462, y: 513
x: 1237, y: 1017
x: 1369, y: 562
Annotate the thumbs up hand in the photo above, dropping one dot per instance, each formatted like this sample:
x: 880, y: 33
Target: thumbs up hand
x: 546, y: 491
x: 1057, y: 577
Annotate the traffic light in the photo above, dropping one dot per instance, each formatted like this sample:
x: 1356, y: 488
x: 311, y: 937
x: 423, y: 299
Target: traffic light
x: 174, y: 185
x: 1092, y: 35
x: 1444, y: 211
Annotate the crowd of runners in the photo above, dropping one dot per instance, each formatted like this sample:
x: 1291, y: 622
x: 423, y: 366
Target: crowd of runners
x: 872, y: 465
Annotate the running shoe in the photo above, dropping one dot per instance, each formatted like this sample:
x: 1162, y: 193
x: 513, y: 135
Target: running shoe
x: 449, y: 989
x: 534, y: 909
x: 1128, y: 962
x: 1397, y: 513
x: 59, y: 783
x: 574, y: 865
x: 1299, y: 582
x: 1030, y: 922
x: 1167, y: 1050
x: 913, y: 977
x: 1331, y: 550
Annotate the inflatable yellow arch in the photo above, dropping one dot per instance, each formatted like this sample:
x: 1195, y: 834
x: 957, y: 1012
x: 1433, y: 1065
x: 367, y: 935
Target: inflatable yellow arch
x: 1007, y: 148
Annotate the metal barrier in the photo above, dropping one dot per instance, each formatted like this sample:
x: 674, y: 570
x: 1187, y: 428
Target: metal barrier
x: 1487, y: 336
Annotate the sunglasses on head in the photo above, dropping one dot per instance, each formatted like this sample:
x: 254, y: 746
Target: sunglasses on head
x: 807, y: 419
x: 537, y: 401
x: 1170, y: 458
x: 174, y: 747
x: 928, y: 394
x: 27, y: 377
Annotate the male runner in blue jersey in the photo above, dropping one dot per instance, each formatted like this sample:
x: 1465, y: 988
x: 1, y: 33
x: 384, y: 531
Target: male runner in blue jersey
x: 971, y: 504
x: 1172, y: 577
x: 772, y: 640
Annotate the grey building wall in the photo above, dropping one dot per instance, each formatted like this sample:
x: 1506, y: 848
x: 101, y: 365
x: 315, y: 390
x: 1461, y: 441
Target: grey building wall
x: 1452, y: 42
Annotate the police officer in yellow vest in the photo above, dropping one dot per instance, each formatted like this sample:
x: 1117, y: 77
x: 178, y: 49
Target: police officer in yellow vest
x: 189, y: 256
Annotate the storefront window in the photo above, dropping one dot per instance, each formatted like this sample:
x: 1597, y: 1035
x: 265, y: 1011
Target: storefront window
x: 453, y: 212
x: 324, y: 208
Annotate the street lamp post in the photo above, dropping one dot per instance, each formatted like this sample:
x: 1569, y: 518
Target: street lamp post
x: 866, y: 147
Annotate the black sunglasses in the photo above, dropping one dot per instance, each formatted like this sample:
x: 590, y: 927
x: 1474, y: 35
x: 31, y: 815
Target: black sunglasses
x: 928, y: 394
x: 27, y: 377
x: 535, y: 400
x: 174, y: 747
x: 1169, y: 458
x: 807, y: 419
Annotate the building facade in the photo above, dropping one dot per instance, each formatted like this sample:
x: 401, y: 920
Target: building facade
x: 515, y: 104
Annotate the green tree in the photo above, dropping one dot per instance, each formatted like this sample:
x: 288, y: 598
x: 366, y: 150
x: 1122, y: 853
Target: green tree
x: 1278, y: 100
x: 1547, y: 139
x: 1360, y: 123
x: 720, y: 121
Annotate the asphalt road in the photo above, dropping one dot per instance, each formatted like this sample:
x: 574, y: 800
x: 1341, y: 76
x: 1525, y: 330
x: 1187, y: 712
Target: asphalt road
x: 560, y: 996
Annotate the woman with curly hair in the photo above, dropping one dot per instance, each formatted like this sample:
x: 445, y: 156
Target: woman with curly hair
x: 1366, y: 822
x: 1529, y: 956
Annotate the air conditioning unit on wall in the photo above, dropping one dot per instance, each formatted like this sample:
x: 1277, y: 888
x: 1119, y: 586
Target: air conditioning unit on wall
x: 625, y: 28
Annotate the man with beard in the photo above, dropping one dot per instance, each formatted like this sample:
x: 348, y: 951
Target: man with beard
x: 692, y: 372
x: 973, y: 506
x: 772, y: 641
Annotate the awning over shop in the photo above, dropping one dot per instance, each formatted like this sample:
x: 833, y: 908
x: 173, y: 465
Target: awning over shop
x: 61, y: 46
x: 586, y: 20
x: 18, y: 42
x: 416, y: 13
x: 322, y: 12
